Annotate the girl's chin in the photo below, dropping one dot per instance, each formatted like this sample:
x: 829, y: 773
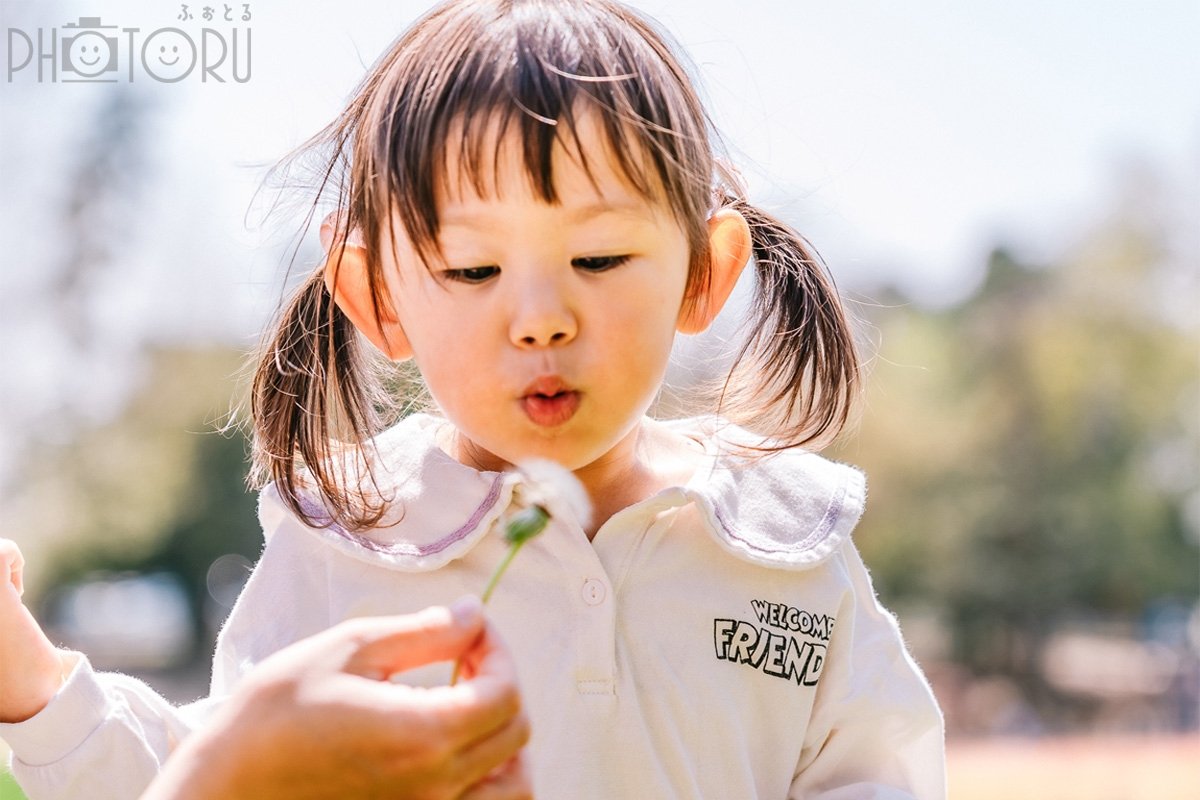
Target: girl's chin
x: 567, y: 445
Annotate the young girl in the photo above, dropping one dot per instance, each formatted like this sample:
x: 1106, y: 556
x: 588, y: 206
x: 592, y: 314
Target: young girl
x: 530, y: 209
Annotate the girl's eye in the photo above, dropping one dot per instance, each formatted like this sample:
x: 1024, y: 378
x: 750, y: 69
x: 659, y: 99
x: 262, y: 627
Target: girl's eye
x: 481, y: 274
x: 471, y: 274
x: 598, y: 263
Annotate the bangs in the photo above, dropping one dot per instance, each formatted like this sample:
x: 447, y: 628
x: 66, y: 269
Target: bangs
x: 463, y: 81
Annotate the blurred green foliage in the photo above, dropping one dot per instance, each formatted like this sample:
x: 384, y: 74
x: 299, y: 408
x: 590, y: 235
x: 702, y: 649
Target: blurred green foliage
x: 158, y: 488
x: 1032, y: 449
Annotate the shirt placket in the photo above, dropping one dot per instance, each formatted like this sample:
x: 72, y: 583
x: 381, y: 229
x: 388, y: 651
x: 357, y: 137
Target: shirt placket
x: 593, y: 613
x: 593, y: 588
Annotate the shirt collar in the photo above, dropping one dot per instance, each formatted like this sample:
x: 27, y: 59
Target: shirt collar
x: 787, y: 510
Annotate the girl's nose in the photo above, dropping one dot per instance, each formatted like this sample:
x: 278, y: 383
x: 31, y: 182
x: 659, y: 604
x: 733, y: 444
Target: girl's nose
x: 542, y: 318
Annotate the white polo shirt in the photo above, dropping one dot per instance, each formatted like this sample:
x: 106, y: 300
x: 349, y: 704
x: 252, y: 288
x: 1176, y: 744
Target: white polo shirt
x: 717, y: 640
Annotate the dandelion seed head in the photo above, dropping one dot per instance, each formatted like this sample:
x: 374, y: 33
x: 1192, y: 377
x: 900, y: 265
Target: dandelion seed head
x: 542, y: 479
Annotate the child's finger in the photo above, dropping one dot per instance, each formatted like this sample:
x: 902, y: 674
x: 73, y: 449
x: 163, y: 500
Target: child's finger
x: 13, y: 565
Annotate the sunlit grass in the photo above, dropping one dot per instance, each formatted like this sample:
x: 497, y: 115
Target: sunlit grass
x: 8, y: 787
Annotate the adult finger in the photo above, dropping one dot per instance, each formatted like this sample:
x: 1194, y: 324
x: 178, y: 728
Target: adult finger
x: 493, y: 750
x: 386, y: 645
x: 464, y: 713
x: 509, y: 783
x: 486, y: 700
x: 488, y: 659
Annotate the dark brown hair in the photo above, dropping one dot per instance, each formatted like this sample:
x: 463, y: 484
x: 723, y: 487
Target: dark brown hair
x: 530, y: 67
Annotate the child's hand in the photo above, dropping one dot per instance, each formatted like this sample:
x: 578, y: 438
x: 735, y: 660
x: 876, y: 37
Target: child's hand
x: 31, y: 669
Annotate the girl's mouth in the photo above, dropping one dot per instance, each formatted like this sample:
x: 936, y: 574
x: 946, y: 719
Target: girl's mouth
x: 550, y: 410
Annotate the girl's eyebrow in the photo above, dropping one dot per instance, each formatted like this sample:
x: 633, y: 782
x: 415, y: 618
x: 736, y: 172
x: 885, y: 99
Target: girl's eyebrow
x: 632, y: 210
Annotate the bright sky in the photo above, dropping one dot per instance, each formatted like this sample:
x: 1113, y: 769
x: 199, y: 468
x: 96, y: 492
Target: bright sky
x: 904, y: 139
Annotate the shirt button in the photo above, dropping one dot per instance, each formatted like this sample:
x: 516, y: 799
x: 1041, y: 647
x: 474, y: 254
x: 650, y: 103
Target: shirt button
x: 594, y: 592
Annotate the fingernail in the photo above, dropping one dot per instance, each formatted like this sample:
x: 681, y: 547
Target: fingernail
x: 466, y: 609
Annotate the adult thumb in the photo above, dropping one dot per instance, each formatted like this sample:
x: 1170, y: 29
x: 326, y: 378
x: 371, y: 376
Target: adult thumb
x: 387, y: 645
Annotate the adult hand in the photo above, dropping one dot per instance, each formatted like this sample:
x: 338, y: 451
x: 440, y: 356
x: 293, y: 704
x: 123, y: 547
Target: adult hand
x: 320, y: 719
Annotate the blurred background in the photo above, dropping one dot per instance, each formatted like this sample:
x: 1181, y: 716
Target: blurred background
x: 1008, y: 192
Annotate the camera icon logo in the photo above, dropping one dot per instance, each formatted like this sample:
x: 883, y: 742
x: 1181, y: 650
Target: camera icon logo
x: 89, y: 52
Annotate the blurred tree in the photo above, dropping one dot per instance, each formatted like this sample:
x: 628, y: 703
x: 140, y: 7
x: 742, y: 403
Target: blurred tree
x: 74, y: 350
x: 155, y: 489
x: 1032, y: 449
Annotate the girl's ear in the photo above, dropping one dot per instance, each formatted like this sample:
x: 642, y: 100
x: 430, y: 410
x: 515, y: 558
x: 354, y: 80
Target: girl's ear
x: 729, y: 247
x: 346, y: 279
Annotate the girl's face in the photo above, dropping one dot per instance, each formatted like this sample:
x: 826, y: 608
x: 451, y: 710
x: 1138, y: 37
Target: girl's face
x: 583, y: 297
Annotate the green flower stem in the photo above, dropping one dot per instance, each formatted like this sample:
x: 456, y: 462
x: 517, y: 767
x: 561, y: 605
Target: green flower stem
x: 495, y: 579
x: 519, y: 530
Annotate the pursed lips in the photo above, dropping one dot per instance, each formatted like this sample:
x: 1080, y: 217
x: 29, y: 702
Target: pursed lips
x: 549, y: 401
x: 547, y: 385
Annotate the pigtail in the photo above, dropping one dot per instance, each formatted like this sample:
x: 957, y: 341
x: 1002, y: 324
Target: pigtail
x: 315, y: 398
x: 796, y: 377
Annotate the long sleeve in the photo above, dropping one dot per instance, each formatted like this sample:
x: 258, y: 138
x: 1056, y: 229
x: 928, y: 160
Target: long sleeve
x: 876, y: 732
x: 104, y: 736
